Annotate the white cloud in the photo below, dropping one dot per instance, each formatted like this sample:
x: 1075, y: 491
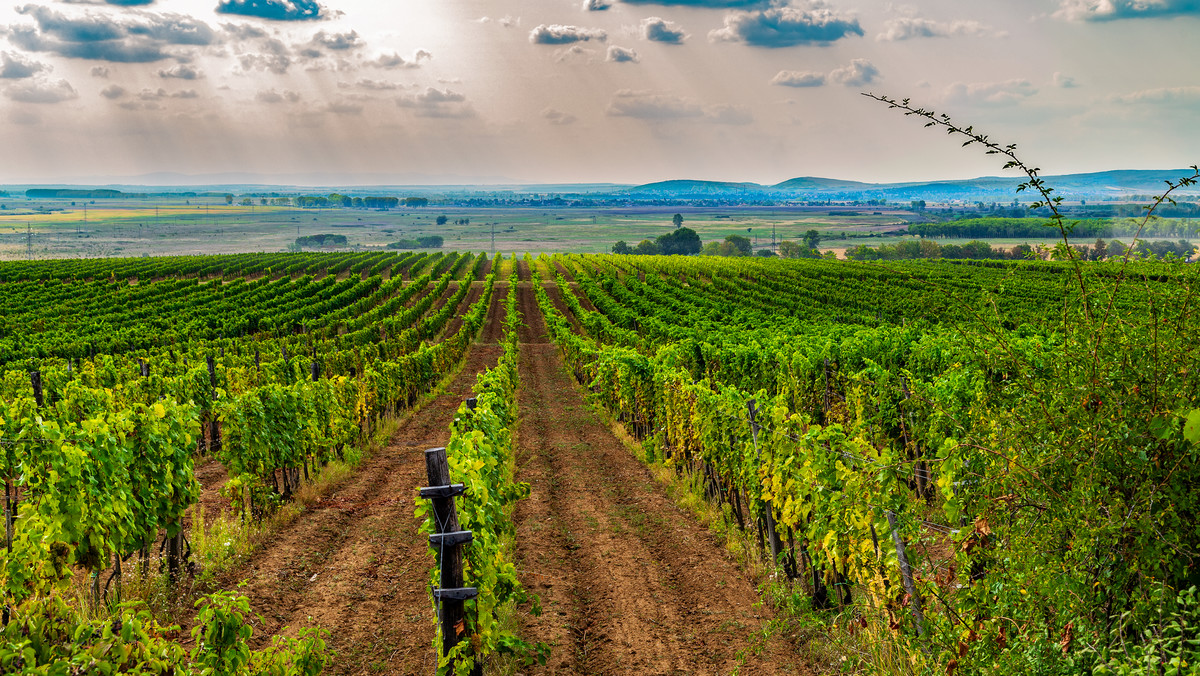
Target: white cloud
x: 858, y: 73
x: 437, y: 103
x: 1109, y: 10
x: 1006, y: 93
x: 622, y: 55
x: 42, y: 91
x: 798, y: 78
x: 558, y: 34
x: 1064, y: 81
x: 658, y: 107
x: 907, y: 28
x: 657, y: 29
x: 557, y: 117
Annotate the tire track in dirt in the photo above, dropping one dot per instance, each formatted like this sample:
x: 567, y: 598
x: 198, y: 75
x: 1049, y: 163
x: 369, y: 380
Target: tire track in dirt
x: 354, y: 562
x: 628, y: 581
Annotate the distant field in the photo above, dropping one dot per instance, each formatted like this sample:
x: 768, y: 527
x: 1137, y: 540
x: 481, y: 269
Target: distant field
x: 141, y: 227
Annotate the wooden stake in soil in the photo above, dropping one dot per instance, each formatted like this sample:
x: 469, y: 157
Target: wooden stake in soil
x: 447, y: 540
x: 906, y: 573
x: 768, y: 516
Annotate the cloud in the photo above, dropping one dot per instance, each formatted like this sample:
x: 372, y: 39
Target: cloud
x: 274, y: 57
x: 558, y: 34
x: 244, y: 31
x: 621, y: 55
x: 658, y: 107
x: 506, y: 21
x: 42, y: 91
x: 798, y: 78
x: 274, y: 10
x: 17, y: 67
x: 657, y: 29
x: 120, y: 3
x: 181, y: 72
x: 371, y: 85
x: 1189, y: 96
x: 717, y: 4
x: 437, y: 103
x: 337, y: 41
x: 100, y: 71
x: 1110, y: 10
x: 907, y: 28
x: 133, y: 37
x: 343, y: 108
x: 777, y: 27
x: 394, y: 60
x: 113, y: 91
x: 596, y: 5
x: 159, y: 94
x: 557, y: 117
x: 272, y: 96
x: 1064, y: 81
x: 858, y: 73
x: 1007, y: 93
x: 728, y: 114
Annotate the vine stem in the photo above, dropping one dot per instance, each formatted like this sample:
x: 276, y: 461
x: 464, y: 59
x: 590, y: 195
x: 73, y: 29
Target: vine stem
x: 1033, y: 182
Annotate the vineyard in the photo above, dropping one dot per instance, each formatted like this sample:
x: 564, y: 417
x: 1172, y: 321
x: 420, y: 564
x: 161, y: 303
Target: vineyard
x: 921, y: 467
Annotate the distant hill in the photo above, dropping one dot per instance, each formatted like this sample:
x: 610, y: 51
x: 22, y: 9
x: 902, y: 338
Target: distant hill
x: 1096, y: 185
x: 681, y: 188
x: 815, y: 183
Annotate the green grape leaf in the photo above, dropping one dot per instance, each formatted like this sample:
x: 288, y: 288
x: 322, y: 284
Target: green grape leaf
x: 1191, y: 427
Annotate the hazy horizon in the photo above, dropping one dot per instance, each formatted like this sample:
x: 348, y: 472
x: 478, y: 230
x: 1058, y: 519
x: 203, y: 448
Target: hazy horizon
x: 595, y: 91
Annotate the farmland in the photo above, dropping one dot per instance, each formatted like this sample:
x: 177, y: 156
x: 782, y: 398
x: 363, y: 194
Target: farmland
x: 943, y: 465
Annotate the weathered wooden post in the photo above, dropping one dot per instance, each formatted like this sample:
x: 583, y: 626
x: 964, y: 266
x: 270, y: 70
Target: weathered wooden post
x: 906, y: 573
x: 768, y: 516
x: 450, y: 598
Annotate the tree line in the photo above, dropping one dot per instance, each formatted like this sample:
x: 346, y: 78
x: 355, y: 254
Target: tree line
x: 990, y: 227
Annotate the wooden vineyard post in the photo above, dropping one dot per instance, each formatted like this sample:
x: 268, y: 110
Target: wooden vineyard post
x: 35, y: 379
x: 768, y: 516
x: 214, y: 426
x: 447, y: 540
x: 906, y: 573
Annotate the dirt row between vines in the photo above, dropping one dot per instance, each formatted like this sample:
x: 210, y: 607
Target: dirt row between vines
x: 212, y: 475
x: 354, y: 562
x: 628, y: 581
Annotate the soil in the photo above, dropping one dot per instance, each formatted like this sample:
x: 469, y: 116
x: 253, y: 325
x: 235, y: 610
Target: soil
x: 354, y: 563
x: 628, y: 581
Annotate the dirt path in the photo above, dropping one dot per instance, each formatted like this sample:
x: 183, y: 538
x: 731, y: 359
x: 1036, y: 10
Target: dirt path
x: 629, y: 582
x: 354, y: 563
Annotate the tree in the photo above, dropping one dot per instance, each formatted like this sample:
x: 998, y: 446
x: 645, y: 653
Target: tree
x: 677, y: 219
x: 1021, y: 252
x: 621, y: 248
x: 812, y: 239
x: 228, y: 199
x: 918, y: 205
x: 790, y: 249
x: 742, y: 244
x: 246, y: 202
x: 679, y: 242
x: 1099, y: 250
x: 646, y: 248
x: 1116, y: 248
x: 441, y: 220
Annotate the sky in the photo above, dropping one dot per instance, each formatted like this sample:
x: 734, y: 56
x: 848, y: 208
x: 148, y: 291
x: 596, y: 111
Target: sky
x: 571, y: 91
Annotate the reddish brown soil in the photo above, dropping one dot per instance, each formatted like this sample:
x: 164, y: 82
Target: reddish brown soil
x: 473, y: 295
x: 628, y: 581
x: 354, y: 563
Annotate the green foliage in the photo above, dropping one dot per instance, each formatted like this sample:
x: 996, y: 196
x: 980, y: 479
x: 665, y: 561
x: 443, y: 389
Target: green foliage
x: 321, y: 240
x: 678, y: 242
x: 481, y: 457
